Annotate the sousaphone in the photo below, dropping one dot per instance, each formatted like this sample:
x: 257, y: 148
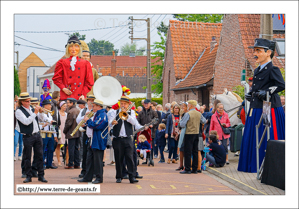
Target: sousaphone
x: 107, y: 89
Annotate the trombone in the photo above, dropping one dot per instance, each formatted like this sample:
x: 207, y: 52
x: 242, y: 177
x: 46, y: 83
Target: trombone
x: 122, y: 115
x: 45, y: 110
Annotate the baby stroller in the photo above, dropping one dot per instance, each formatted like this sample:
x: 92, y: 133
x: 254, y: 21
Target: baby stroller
x: 149, y: 154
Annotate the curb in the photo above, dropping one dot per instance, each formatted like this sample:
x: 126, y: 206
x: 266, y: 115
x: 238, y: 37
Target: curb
x: 235, y: 182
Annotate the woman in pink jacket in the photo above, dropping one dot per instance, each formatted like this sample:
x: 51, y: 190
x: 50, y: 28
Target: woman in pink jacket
x: 215, y: 125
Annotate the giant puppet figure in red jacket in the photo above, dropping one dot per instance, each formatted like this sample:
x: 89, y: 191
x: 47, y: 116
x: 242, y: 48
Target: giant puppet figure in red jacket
x: 73, y: 75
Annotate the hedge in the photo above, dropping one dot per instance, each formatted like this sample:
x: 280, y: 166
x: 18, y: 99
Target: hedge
x: 138, y: 101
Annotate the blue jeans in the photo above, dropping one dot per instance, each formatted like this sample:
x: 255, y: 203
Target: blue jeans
x: 224, y: 143
x: 212, y: 160
x: 48, y: 143
x: 171, y: 148
x: 18, y: 138
x: 161, y: 148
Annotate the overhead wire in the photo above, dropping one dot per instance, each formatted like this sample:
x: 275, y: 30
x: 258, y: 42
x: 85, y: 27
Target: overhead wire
x: 37, y: 43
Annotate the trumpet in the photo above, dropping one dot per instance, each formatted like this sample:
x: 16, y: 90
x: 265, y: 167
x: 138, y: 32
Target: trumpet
x: 45, y: 110
x: 122, y: 115
x: 81, y: 123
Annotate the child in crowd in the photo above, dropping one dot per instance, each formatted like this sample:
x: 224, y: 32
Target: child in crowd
x: 160, y: 140
x: 143, y: 146
x: 219, y: 155
x: 214, y: 133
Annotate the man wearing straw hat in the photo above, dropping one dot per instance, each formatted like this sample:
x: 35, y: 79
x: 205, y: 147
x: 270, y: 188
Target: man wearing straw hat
x: 122, y: 143
x: 86, y: 134
x: 27, y: 119
x: 96, y: 144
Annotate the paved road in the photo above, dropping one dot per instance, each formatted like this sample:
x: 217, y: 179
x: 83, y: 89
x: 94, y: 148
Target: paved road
x: 160, y: 179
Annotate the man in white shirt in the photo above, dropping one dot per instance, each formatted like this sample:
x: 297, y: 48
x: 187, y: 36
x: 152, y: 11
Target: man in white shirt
x: 86, y: 135
x: 122, y: 142
x: 27, y: 120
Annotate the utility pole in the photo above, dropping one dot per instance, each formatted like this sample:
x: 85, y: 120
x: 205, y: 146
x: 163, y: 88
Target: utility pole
x: 266, y: 30
x: 148, y: 39
x: 17, y: 63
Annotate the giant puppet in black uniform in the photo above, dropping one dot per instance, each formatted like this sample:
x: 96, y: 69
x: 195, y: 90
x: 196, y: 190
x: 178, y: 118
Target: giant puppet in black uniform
x: 266, y: 78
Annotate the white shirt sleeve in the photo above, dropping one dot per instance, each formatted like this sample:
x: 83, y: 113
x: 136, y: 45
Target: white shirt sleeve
x: 79, y: 118
x: 23, y: 119
x: 111, y: 116
x: 133, y: 120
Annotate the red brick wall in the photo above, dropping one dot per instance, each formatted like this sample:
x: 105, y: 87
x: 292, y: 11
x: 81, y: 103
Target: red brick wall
x: 230, y: 59
x: 168, y: 73
x: 185, y: 95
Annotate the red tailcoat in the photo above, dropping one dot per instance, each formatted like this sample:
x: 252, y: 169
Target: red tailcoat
x: 79, y: 81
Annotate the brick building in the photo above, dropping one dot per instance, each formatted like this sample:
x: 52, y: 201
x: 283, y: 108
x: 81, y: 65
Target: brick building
x: 129, y: 71
x: 219, y: 67
x: 185, y: 43
x: 31, y: 60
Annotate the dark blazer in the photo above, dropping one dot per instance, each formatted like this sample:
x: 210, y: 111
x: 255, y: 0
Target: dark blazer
x: 70, y: 123
x: 269, y: 76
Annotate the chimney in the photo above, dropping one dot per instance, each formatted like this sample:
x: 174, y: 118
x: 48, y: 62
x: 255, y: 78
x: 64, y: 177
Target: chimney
x: 113, y: 65
x: 213, y: 43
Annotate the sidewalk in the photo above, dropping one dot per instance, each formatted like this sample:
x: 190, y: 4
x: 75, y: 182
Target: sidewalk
x: 244, y: 181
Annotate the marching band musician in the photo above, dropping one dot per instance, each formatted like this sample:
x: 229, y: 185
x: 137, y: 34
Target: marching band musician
x: 73, y: 75
x: 86, y: 134
x: 27, y: 120
x: 96, y: 144
x: 122, y: 142
x: 48, y: 142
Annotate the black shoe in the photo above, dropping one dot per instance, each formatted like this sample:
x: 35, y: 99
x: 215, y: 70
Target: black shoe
x: 185, y: 172
x: 42, y: 179
x: 97, y: 181
x: 144, y: 163
x: 103, y: 164
x: 118, y: 180
x: 126, y: 177
x: 51, y: 167
x: 199, y: 171
x: 139, y: 177
x: 28, y: 179
x: 81, y: 175
x: 195, y: 172
x: 82, y: 180
x: 166, y: 151
x: 24, y: 176
x: 133, y: 180
x: 180, y: 168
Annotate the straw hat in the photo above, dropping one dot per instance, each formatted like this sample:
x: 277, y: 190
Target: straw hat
x: 192, y: 102
x: 124, y: 98
x: 98, y: 102
x: 24, y: 95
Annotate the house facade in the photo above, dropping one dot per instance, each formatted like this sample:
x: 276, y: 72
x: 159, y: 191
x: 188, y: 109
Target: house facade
x: 220, y: 63
x: 33, y: 82
x: 31, y: 60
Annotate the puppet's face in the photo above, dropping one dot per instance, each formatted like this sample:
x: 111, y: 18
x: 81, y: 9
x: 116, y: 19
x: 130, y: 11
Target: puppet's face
x: 46, y: 89
x: 261, y: 56
x: 74, y: 49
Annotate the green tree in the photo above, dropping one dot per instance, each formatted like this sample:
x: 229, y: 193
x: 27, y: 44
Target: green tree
x: 282, y: 70
x: 101, y: 47
x: 17, y: 88
x: 80, y: 37
x: 157, y: 69
x: 211, y: 18
x: 126, y: 49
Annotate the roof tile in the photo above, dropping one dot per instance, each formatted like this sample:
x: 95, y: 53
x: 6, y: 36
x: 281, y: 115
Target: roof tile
x: 202, y: 72
x: 188, y: 41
